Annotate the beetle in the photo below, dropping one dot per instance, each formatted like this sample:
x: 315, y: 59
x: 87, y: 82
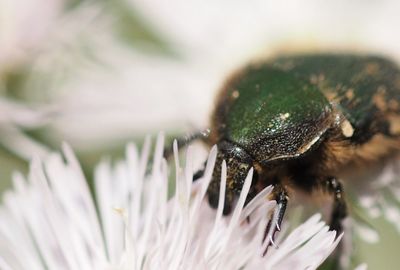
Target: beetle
x: 301, y: 121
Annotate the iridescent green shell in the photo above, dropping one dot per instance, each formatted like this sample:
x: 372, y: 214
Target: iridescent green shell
x: 365, y: 88
x: 280, y: 109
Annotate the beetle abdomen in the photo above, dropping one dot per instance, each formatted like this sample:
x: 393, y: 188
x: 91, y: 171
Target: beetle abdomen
x: 366, y: 88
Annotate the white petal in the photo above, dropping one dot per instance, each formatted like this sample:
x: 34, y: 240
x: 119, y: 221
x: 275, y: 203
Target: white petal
x: 51, y: 220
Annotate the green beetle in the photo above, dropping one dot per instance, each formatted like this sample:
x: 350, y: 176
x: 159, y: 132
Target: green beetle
x: 301, y: 120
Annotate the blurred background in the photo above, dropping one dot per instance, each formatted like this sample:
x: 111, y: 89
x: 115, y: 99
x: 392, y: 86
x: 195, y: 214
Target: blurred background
x: 98, y: 74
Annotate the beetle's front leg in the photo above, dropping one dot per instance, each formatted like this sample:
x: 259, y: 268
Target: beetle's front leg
x: 186, y: 140
x: 274, y: 225
x: 339, y: 209
x: 183, y: 142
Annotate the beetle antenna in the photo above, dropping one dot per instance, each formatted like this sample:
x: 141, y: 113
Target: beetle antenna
x: 186, y: 140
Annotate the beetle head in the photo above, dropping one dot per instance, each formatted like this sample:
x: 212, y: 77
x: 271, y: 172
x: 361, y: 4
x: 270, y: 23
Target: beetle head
x: 238, y: 165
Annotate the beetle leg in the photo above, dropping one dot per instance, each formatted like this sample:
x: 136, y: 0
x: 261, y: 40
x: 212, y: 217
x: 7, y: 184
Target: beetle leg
x: 250, y: 196
x: 184, y: 141
x: 339, y: 210
x: 274, y: 225
x: 200, y: 173
x: 213, y: 200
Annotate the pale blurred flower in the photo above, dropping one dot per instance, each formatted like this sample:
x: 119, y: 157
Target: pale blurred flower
x: 24, y: 29
x: 208, y: 40
x: 98, y: 81
x: 16, y: 117
x: 380, y: 198
x: 50, y: 221
x: 39, y: 41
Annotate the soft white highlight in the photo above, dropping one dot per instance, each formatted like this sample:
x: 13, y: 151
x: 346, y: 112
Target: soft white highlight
x: 16, y: 117
x: 24, y: 28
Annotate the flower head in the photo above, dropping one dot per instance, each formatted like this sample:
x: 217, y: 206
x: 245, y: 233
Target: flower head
x: 51, y: 220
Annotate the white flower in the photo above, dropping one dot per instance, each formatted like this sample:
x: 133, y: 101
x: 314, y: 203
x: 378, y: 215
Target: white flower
x: 31, y: 40
x: 16, y: 117
x: 24, y: 28
x: 380, y: 198
x: 50, y: 221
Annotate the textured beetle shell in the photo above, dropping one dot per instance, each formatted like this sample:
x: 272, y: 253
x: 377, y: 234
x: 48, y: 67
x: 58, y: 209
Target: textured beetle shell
x: 312, y: 115
x: 272, y: 114
x: 366, y: 88
x: 278, y: 109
